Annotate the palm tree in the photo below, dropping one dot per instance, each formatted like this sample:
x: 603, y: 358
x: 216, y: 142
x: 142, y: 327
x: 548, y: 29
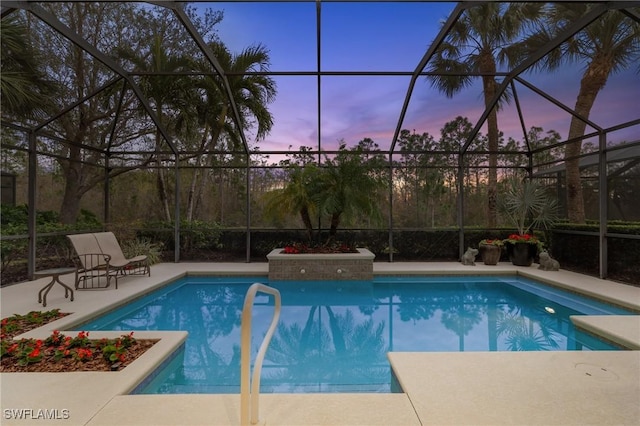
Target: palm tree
x: 172, y: 96
x: 23, y: 87
x: 608, y: 45
x: 346, y: 186
x: 252, y: 93
x: 295, y: 197
x: 477, y: 43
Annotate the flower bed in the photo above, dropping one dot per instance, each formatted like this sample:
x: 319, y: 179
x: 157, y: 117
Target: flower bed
x: 18, y: 324
x: 60, y: 353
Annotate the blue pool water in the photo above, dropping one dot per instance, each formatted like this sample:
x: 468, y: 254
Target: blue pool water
x: 334, y: 336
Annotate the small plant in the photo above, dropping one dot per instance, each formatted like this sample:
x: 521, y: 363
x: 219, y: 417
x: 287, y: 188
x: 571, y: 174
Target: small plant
x: 114, y: 350
x: 524, y: 238
x: 493, y: 242
x: 526, y: 205
x: 29, y: 352
x: 131, y: 248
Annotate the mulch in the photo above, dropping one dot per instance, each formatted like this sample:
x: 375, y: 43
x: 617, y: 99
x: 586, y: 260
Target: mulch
x: 97, y: 363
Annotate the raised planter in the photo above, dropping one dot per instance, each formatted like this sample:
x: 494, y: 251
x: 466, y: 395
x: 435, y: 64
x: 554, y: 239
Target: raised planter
x: 320, y: 266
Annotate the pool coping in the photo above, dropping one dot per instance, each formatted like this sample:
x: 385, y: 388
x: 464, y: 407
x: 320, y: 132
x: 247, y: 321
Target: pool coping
x: 19, y: 390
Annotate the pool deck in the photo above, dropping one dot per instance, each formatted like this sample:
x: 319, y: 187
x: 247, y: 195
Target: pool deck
x: 474, y: 388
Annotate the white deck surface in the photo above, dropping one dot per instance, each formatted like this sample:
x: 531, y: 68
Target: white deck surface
x: 440, y: 388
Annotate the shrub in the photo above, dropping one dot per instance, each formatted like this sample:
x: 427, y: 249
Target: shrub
x: 131, y: 248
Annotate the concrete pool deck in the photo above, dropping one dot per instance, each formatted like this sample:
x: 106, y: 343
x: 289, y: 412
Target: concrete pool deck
x: 586, y: 387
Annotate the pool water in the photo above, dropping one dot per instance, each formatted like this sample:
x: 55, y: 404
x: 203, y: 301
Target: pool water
x: 334, y: 336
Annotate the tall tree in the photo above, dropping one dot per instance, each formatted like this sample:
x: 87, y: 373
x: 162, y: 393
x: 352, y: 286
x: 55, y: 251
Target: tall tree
x: 477, y: 43
x: 91, y: 128
x: 252, y: 94
x: 422, y: 175
x: 78, y: 75
x: 171, y: 96
x: 607, y: 46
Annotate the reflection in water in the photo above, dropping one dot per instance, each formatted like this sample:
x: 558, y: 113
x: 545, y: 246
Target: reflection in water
x: 328, y: 355
x: 525, y: 333
x: 334, y: 336
x: 464, y: 311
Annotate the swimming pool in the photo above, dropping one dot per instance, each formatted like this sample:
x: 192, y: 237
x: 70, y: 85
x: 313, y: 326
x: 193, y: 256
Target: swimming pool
x: 334, y: 336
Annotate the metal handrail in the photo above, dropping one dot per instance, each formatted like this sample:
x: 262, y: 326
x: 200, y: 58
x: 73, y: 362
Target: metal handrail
x: 250, y: 389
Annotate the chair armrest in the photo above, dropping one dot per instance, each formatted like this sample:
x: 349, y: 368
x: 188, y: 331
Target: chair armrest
x: 90, y: 261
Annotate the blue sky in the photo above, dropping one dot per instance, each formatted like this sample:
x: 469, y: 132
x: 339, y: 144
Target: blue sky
x: 361, y: 36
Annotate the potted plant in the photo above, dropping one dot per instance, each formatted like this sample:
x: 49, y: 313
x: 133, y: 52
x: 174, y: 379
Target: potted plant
x: 490, y: 251
x: 527, y: 206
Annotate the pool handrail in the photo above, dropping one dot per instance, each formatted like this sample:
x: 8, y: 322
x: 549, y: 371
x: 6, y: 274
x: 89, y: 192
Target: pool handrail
x: 250, y: 389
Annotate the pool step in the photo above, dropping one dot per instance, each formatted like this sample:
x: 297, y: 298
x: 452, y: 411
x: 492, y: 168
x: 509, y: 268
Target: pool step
x: 275, y: 409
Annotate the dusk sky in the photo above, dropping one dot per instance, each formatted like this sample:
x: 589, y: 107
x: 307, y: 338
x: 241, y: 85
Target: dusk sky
x: 389, y: 37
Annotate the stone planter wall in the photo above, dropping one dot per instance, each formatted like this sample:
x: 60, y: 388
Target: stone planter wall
x: 322, y: 266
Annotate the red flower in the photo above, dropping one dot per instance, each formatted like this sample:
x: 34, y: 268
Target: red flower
x: 526, y: 238
x: 84, y: 353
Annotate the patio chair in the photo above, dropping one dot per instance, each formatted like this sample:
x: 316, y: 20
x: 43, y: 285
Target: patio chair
x: 138, y: 265
x: 93, y: 268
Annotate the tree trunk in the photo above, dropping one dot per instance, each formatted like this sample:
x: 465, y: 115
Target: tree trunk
x: 195, y: 190
x: 161, y: 178
x: 73, y: 168
x: 191, y: 198
x: 593, y: 80
x: 335, y: 222
x: 306, y: 219
x: 489, y: 87
x: 163, y: 193
x: 72, y: 195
